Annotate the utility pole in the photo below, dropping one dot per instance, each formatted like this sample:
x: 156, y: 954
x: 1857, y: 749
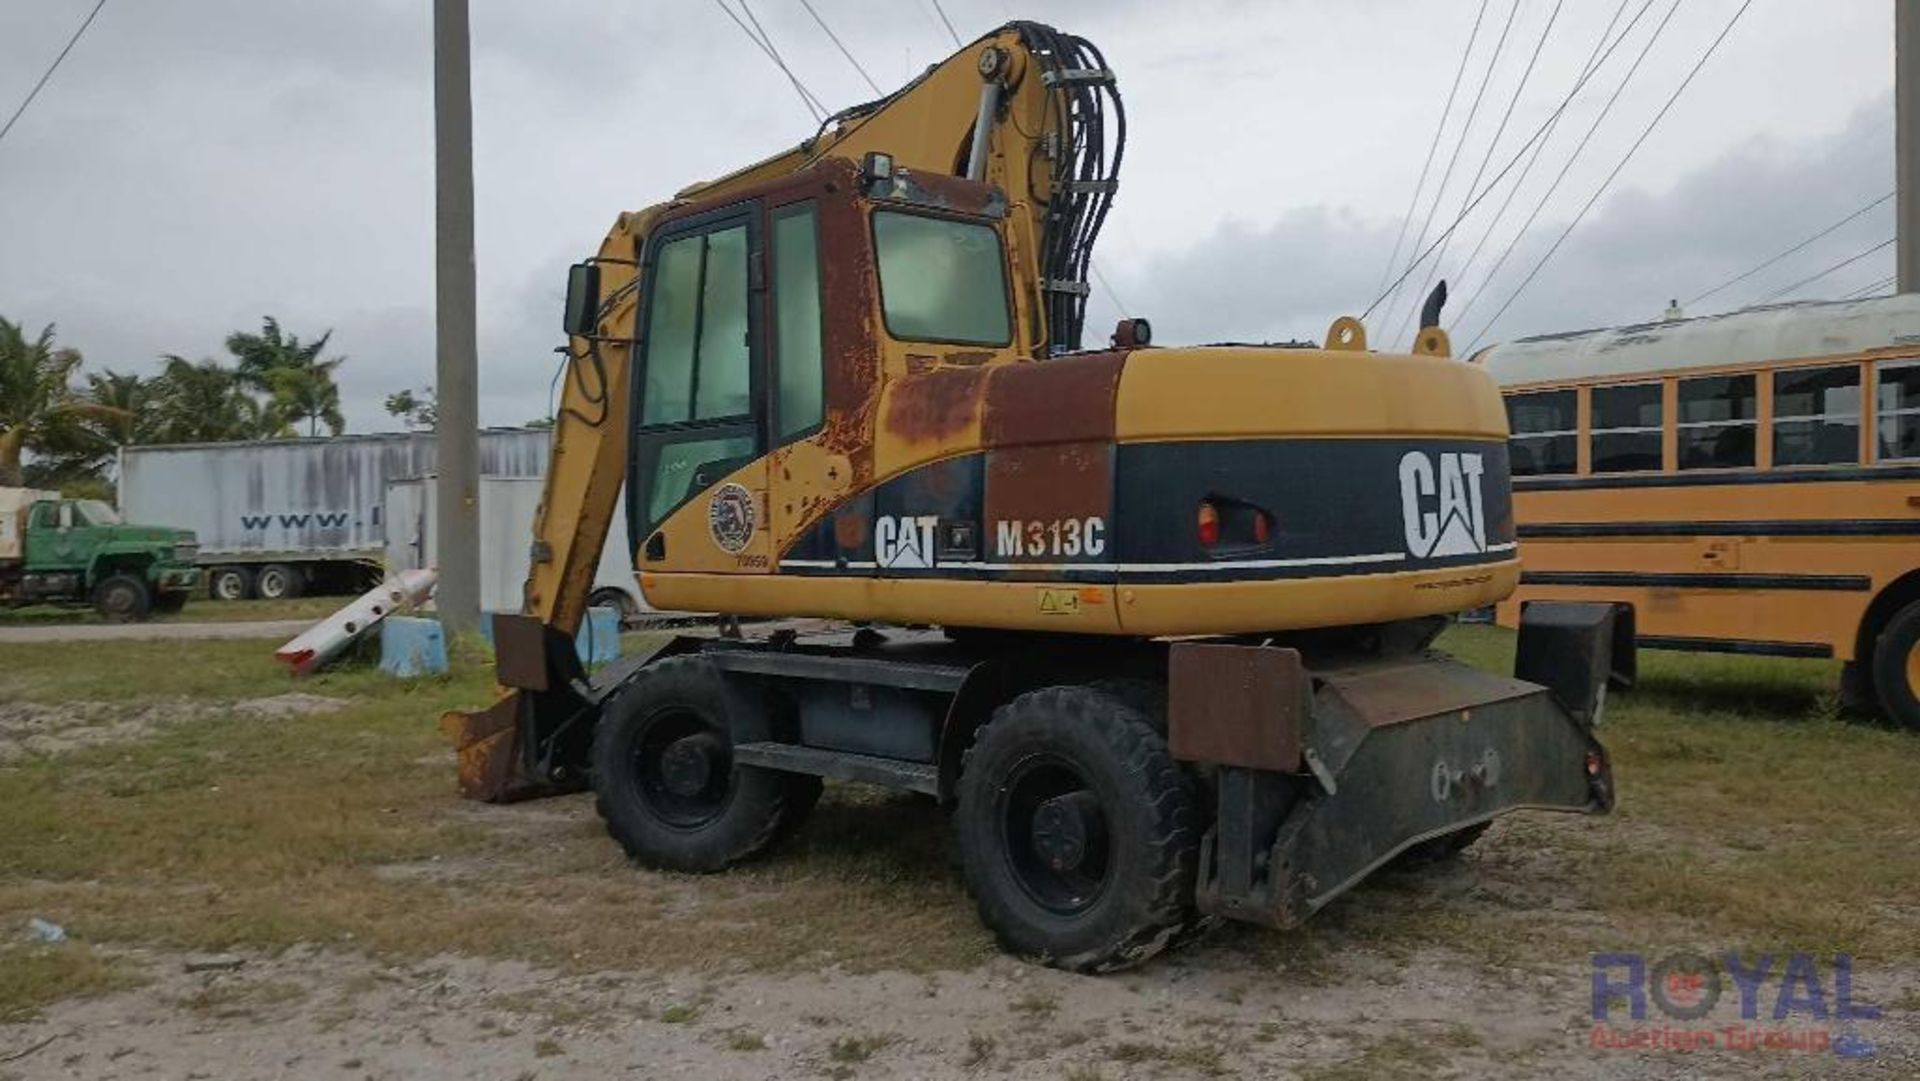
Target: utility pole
x: 1906, y: 141
x: 457, y: 432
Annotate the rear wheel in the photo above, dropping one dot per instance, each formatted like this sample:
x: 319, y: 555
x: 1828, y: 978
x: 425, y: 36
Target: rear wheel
x: 276, y: 582
x: 668, y: 788
x: 1077, y: 830
x: 123, y: 598
x: 1896, y: 667
x: 617, y: 600
x: 230, y: 584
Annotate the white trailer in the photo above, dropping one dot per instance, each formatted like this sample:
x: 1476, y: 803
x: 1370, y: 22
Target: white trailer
x: 507, y: 507
x: 277, y: 517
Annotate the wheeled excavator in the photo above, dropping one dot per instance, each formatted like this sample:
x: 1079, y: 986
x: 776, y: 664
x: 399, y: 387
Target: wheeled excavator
x: 1153, y: 623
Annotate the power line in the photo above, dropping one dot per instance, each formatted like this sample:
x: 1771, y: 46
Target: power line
x: 1538, y: 148
x: 1493, y: 144
x: 766, y: 40
x: 1504, y: 169
x: 1108, y: 286
x: 806, y: 96
x: 835, y: 38
x: 1841, y: 265
x: 951, y: 32
x: 1625, y: 158
x: 1872, y: 287
x: 1393, y: 260
x: 1579, y: 148
x: 51, y: 68
x: 1736, y: 279
x: 1453, y: 159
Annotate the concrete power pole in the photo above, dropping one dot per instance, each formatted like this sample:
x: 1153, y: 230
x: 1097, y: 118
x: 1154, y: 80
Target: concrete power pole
x: 457, y: 434
x: 1906, y: 148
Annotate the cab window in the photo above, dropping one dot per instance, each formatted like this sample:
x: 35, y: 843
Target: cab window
x: 796, y: 320
x: 941, y: 280
x: 697, y: 351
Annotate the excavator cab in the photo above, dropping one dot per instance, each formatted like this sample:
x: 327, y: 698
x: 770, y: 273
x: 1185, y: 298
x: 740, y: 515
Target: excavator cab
x: 1154, y: 623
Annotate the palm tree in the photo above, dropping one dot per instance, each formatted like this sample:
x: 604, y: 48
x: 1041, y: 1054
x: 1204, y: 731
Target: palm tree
x: 205, y: 402
x: 308, y: 394
x: 38, y: 404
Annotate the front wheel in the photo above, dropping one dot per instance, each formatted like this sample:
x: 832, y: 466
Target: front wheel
x: 123, y: 598
x: 1896, y: 667
x: 1078, y: 831
x: 230, y: 584
x: 666, y: 782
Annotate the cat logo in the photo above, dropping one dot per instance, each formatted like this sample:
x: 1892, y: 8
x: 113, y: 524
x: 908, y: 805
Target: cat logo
x: 905, y: 542
x: 1440, y: 504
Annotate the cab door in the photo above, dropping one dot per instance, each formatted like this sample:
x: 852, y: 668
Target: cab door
x: 54, y: 536
x: 697, y: 479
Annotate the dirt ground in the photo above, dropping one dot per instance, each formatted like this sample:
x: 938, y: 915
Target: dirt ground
x: 376, y: 927
x: 1239, y: 1003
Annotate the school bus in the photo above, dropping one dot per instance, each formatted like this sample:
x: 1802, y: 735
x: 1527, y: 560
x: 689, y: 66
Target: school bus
x: 1746, y: 483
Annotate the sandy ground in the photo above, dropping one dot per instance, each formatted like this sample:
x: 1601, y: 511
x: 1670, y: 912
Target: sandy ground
x: 31, y: 730
x: 120, y: 632
x: 1203, y: 1013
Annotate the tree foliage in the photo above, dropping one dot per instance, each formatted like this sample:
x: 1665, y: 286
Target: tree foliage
x: 39, y: 407
x: 420, y: 410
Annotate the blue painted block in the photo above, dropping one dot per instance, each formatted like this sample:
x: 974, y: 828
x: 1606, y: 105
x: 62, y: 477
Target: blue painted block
x: 410, y: 646
x: 597, y: 643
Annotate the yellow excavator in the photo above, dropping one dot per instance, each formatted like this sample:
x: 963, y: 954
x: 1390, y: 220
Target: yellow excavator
x: 1154, y: 623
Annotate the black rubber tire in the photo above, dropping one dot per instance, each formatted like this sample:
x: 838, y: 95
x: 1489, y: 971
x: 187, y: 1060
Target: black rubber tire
x: 123, y: 598
x: 1894, y: 674
x: 1145, y: 896
x: 277, y: 582
x: 230, y: 584
x: 751, y: 807
x: 170, y: 603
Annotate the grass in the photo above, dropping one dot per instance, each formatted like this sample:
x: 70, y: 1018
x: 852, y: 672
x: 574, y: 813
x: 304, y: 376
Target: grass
x: 1393, y: 1058
x: 34, y: 977
x: 852, y: 1049
x: 1751, y: 816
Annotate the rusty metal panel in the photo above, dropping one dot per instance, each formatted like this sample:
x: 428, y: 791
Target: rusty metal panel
x: 1236, y: 705
x: 519, y: 651
x: 1417, y: 687
x: 1068, y: 400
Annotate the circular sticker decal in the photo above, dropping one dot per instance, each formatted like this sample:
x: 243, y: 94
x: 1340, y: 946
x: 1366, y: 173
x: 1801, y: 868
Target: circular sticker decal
x: 730, y: 518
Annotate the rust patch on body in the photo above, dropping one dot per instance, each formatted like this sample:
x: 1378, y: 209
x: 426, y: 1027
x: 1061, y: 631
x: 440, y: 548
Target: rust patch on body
x: 1066, y: 400
x: 936, y: 404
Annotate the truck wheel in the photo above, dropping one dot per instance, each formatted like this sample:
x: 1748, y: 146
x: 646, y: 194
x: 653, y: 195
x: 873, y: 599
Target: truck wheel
x: 616, y: 599
x: 1078, y: 832
x: 277, y: 582
x: 123, y: 598
x: 1896, y: 667
x: 230, y: 584
x: 667, y: 786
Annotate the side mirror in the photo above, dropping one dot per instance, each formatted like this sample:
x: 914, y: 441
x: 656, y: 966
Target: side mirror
x: 582, y: 316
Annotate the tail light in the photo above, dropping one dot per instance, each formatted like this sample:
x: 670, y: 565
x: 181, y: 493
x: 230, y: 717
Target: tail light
x: 1207, y: 524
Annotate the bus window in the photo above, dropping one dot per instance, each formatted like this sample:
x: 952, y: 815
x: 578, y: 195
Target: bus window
x: 1717, y: 422
x: 1899, y: 410
x: 1816, y: 416
x: 1545, y: 429
x: 1626, y: 427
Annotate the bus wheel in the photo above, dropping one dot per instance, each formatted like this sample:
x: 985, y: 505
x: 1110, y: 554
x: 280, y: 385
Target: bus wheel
x: 1896, y: 667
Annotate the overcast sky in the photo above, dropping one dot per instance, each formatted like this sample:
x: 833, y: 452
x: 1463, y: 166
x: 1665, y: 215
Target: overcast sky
x: 196, y: 164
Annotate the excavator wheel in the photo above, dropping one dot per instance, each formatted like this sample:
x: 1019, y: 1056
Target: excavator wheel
x: 1078, y: 832
x: 668, y: 788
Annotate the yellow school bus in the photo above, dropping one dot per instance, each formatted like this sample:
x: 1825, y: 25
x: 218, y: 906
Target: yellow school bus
x: 1747, y: 483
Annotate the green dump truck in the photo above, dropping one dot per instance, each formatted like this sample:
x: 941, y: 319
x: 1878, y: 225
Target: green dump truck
x: 55, y: 550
